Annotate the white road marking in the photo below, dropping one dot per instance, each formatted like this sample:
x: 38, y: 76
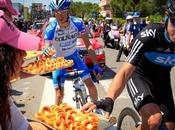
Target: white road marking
x: 48, y: 97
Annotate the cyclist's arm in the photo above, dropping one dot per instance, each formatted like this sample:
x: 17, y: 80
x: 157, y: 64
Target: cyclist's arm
x: 49, y: 33
x: 89, y: 47
x: 83, y: 33
x: 140, y: 44
x: 119, y: 80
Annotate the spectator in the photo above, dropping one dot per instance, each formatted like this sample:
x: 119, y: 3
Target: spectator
x: 13, y: 42
x: 126, y: 39
x: 136, y: 27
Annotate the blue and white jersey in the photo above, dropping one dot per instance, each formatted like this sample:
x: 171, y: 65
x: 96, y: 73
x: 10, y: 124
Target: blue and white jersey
x: 152, y: 52
x: 64, y: 40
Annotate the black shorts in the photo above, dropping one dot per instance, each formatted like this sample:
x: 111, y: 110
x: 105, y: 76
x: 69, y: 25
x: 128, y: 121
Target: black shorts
x: 143, y: 90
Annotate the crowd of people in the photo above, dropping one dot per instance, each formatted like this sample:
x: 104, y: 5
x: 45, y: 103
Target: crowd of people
x: 133, y: 25
x: 143, y: 73
x: 23, y: 25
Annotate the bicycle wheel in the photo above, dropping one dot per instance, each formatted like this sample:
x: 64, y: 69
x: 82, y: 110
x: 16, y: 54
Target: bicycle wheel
x: 128, y: 119
x: 80, y: 99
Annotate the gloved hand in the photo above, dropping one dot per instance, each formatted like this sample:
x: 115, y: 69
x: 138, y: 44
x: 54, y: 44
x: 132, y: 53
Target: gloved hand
x: 97, y: 68
x: 48, y: 51
x: 105, y: 104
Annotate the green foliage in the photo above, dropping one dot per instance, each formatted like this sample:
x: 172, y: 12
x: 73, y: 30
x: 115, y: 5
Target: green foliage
x: 146, y: 7
x: 152, y: 8
x: 120, y: 21
x: 84, y: 10
x: 156, y: 18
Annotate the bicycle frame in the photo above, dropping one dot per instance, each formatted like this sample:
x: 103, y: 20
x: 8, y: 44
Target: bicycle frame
x: 81, y: 96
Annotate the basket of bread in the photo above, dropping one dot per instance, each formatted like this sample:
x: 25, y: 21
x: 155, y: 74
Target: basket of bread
x: 65, y: 117
x: 47, y: 65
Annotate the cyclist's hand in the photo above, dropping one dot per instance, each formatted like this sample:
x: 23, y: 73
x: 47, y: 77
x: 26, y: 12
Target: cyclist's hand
x: 105, y: 104
x: 98, y: 71
x: 49, y: 52
x: 90, y: 106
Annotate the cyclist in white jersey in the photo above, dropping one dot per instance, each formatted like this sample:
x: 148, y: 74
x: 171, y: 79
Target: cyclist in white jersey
x: 62, y: 35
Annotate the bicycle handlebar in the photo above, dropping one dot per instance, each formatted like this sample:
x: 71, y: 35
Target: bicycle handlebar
x: 75, y: 72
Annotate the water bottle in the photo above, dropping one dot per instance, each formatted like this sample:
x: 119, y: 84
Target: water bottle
x: 83, y: 89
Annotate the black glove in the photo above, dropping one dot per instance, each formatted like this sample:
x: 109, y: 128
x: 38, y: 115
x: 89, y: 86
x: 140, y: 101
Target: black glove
x: 105, y: 104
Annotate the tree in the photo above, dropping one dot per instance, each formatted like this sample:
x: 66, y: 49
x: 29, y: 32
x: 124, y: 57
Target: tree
x: 79, y: 9
x: 146, y: 7
x: 135, y: 1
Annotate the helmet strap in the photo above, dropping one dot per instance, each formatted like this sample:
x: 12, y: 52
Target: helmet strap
x: 166, y: 27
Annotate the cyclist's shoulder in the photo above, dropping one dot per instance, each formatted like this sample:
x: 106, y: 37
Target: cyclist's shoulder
x: 52, y: 24
x: 153, y: 30
x: 77, y: 22
x: 157, y: 26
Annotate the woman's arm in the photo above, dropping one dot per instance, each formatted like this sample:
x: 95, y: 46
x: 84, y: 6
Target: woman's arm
x: 37, y: 126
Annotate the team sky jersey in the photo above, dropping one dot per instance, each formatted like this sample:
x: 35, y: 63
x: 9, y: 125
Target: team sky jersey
x: 64, y: 40
x: 152, y: 53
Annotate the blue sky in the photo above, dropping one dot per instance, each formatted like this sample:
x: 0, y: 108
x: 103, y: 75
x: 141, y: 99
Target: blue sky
x: 28, y: 2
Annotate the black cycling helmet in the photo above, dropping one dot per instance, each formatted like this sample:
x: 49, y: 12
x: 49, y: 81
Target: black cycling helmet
x: 171, y: 7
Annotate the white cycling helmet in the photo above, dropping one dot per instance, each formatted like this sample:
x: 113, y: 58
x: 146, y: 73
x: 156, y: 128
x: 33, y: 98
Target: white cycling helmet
x: 60, y: 4
x: 129, y: 17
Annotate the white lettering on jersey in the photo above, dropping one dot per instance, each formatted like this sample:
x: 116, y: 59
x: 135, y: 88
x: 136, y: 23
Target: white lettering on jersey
x: 148, y: 33
x: 138, y: 99
x: 164, y: 60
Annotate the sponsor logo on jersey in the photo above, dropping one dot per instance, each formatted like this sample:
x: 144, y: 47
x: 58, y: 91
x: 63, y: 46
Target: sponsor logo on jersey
x: 166, y: 60
x: 135, y: 93
x: 138, y: 99
x: 161, y: 59
x: 148, y: 33
x: 67, y: 37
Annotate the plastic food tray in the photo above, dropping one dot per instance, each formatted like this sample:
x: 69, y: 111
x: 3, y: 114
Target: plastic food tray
x: 104, y: 123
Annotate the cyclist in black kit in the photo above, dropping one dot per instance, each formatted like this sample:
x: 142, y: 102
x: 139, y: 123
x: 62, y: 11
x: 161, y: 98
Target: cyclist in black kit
x: 147, y: 75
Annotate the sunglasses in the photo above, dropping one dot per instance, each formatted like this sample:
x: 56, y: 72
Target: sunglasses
x: 172, y: 20
x: 62, y: 12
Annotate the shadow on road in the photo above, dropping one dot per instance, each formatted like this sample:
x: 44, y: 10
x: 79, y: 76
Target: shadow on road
x: 108, y: 74
x: 14, y: 92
